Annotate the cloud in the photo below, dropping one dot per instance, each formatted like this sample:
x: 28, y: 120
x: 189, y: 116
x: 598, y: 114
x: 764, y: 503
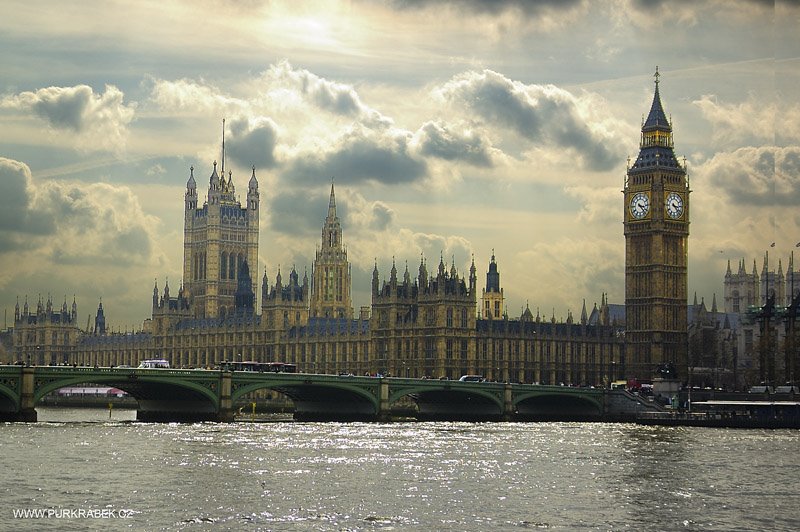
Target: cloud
x: 99, y: 121
x: 749, y: 122
x: 756, y: 120
x: 455, y: 143
x: 91, y: 225
x: 336, y: 98
x: 497, y: 18
x: 361, y: 155
x: 185, y: 95
x: 596, y: 203
x: 490, y: 6
x: 252, y: 142
x: 756, y: 176
x: 156, y: 169
x: 651, y: 14
x: 19, y: 221
x: 298, y: 211
x: 542, y: 114
x: 96, y: 224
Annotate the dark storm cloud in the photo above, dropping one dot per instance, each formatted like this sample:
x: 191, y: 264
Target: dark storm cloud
x: 445, y: 142
x: 252, y: 144
x: 358, y: 157
x: 542, y: 114
x: 763, y: 177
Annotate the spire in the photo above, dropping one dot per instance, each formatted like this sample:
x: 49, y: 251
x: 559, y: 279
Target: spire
x: 375, y: 278
x: 728, y: 271
x: 655, y: 146
x: 657, y: 117
x: 492, y: 276
x: 223, y: 146
x: 714, y: 303
x: 253, y: 184
x: 584, y: 316
x: 332, y: 205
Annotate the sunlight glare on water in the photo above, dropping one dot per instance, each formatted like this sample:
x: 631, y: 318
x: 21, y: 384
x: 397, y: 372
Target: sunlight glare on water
x: 415, y: 476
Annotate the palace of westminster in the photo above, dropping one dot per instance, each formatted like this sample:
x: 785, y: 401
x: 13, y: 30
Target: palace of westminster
x: 435, y: 323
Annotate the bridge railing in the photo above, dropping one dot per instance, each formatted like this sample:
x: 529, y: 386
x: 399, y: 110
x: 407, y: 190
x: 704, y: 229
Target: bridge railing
x: 119, y: 370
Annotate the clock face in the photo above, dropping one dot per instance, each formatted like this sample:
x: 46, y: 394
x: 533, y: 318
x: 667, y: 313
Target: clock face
x: 640, y: 205
x: 674, y: 205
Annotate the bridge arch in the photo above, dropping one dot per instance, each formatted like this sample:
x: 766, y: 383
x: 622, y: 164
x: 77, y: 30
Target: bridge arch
x: 161, y: 394
x: 316, y: 397
x: 558, y: 404
x: 138, y: 386
x: 9, y: 399
x: 437, y: 400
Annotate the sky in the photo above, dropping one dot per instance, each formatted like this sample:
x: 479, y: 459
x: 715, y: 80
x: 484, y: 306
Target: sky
x: 451, y: 129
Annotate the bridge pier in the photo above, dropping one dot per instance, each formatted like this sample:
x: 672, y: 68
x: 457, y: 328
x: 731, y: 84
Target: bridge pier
x: 225, y: 412
x: 384, y: 408
x: 27, y: 412
x: 509, y: 412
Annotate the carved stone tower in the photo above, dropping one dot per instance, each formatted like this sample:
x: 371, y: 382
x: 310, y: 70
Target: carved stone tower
x: 217, y: 239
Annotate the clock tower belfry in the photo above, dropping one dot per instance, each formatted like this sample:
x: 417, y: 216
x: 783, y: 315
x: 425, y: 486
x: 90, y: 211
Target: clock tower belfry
x: 656, y: 227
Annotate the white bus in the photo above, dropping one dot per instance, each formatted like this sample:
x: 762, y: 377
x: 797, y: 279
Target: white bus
x: 154, y: 363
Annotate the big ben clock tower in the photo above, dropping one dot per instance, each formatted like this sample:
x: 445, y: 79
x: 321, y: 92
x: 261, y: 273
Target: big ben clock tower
x: 656, y: 222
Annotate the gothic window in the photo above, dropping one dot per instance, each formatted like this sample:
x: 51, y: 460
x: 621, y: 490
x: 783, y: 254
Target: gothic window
x: 463, y: 317
x: 430, y: 350
x: 449, y: 316
x: 223, y: 266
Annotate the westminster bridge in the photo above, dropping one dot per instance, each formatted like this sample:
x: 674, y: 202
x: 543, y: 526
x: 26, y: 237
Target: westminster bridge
x: 187, y: 395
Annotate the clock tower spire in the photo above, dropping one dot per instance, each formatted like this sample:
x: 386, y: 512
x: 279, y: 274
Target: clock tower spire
x: 656, y: 227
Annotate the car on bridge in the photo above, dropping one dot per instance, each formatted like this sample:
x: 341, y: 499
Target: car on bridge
x: 472, y: 378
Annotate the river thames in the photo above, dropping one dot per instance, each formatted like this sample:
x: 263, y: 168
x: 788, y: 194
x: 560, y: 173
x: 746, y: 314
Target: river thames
x: 80, y: 471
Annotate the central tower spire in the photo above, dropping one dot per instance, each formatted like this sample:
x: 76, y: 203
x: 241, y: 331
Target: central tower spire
x: 330, y: 287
